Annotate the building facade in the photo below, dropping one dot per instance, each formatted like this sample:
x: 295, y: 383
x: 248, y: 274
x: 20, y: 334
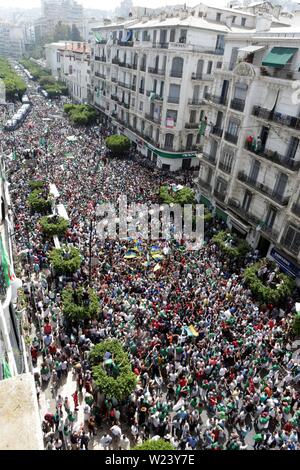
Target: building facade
x: 249, y: 167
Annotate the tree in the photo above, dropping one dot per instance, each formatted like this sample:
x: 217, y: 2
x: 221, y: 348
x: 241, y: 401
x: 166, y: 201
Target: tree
x: 150, y: 444
x: 182, y: 196
x: 75, y: 33
x: 118, y: 144
x: 39, y: 200
x: 283, y: 285
x: 296, y: 324
x: 79, y: 304
x: 62, y: 32
x: 112, y: 370
x: 230, y: 244
x: 53, y: 225
x: 66, y: 260
x: 14, y: 84
x: 81, y: 114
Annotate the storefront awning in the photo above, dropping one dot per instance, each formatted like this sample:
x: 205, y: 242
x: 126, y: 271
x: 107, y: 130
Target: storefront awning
x: 279, y: 56
x: 221, y: 214
x: 206, y: 202
x: 171, y: 155
x: 251, y: 49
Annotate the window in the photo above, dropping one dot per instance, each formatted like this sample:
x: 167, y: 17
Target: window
x: 183, y: 34
x: 141, y: 107
x: 271, y: 216
x: 70, y: 70
x: 293, y: 147
x: 209, y: 67
x: 171, y: 115
x: 291, y: 239
x: 243, y: 23
x: 177, y: 67
x: 2, y: 212
x: 172, y: 35
x: 189, y: 142
x: 169, y: 139
x: 233, y: 58
x: 218, y: 17
x: 193, y: 116
x: 240, y: 91
x: 247, y: 200
x: 219, y: 65
x: 226, y: 161
x: 233, y: 128
x: 220, y: 44
x: 174, y: 94
x: 233, y: 19
x: 221, y: 186
x: 145, y: 36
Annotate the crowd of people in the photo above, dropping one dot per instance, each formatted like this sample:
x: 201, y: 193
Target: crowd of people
x: 215, y: 369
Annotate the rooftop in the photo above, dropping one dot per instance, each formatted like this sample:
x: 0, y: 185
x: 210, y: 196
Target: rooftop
x: 19, y: 414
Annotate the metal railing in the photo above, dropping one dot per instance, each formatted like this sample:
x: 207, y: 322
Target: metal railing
x: 279, y: 118
x: 275, y: 157
x: 222, y: 100
x: 237, y: 104
x: 210, y: 158
x: 279, y: 198
x: 195, y: 102
x: 173, y: 99
x: 217, y: 131
x: 156, y: 71
x: 224, y: 167
x: 191, y: 125
x: 296, y: 209
x: 231, y: 137
x: 176, y: 74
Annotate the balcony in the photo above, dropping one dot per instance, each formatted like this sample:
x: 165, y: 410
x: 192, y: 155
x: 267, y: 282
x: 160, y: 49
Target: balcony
x: 204, y: 184
x: 150, y: 117
x: 115, y: 61
x: 100, y: 75
x: 221, y: 195
x: 225, y: 168
x: 275, y: 157
x: 279, y: 118
x: 196, y: 76
x: 217, y: 131
x: 133, y: 87
x: 142, y: 90
x: 143, y: 68
x: 173, y: 99
x: 222, y: 100
x: 210, y: 158
x: 191, y: 125
x: 231, y: 137
x: 176, y: 74
x: 265, y: 190
x: 296, y: 209
x: 102, y: 58
x: 156, y: 71
x: 125, y: 43
x: 124, y: 85
x: 125, y: 105
x: 114, y: 97
x: 122, y: 64
x: 237, y: 104
x: 236, y: 207
x: 97, y: 57
x: 114, y: 79
x: 161, y: 45
x: 195, y: 102
x: 131, y: 66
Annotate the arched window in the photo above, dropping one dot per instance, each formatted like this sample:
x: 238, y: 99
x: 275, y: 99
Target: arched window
x: 169, y: 139
x: 199, y: 71
x: 177, y: 67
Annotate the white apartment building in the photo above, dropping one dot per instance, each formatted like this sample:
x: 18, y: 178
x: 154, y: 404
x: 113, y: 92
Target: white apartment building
x: 249, y: 170
x: 150, y: 76
x: 69, y: 62
x: 12, y: 40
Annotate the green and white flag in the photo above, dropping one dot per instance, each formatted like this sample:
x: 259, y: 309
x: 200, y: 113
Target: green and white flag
x: 98, y: 37
x: 4, y: 263
x: 202, y: 128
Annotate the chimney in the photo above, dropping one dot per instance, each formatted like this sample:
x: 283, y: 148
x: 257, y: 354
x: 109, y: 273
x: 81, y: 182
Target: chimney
x: 263, y: 23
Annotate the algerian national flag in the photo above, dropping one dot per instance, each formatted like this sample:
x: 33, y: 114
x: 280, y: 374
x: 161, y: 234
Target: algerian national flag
x: 152, y: 96
x: 6, y: 370
x: 98, y: 37
x: 14, y: 155
x: 4, y: 262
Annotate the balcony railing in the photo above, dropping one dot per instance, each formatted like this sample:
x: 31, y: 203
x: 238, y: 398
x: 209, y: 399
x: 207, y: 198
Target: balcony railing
x: 143, y: 68
x: 237, y: 104
x: 222, y: 100
x: 102, y: 58
x: 176, y: 74
x: 210, y: 158
x: 142, y: 90
x: 195, y: 102
x: 231, y: 137
x: 221, y: 195
x: 150, y: 117
x: 196, y: 76
x: 191, y: 125
x: 296, y: 209
x: 275, y: 157
x: 204, y: 184
x: 125, y: 43
x: 156, y: 71
x: 282, y: 200
x: 161, y: 45
x: 125, y: 105
x: 133, y: 87
x: 122, y: 64
x: 115, y: 61
x: 224, y: 167
x: 114, y: 97
x: 114, y: 79
x: 279, y: 118
x: 173, y: 99
x: 217, y: 131
x: 100, y: 75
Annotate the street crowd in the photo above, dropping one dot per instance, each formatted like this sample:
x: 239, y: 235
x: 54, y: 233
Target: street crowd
x: 229, y: 382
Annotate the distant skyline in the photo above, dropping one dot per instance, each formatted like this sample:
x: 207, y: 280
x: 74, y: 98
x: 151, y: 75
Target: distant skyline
x: 112, y: 4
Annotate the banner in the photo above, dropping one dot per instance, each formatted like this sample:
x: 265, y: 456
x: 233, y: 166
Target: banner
x: 4, y: 264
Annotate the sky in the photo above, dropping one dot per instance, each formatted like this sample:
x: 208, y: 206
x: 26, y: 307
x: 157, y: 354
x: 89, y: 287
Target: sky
x: 102, y: 5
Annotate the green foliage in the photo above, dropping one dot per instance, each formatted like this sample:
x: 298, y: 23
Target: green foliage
x: 78, y: 310
x: 122, y: 381
x: 36, y: 71
x: 14, y: 84
x: 47, y: 80
x: 118, y: 144
x: 183, y: 196
x: 267, y: 293
x: 39, y: 200
x: 80, y: 114
x: 296, y: 324
x: 75, y: 33
x: 62, y: 32
x: 237, y: 249
x: 51, y: 86
x: 36, y: 184
x: 160, y: 444
x: 54, y: 225
x: 66, y: 260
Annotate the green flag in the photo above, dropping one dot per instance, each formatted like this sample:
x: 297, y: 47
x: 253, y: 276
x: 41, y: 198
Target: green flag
x: 202, y: 127
x: 4, y: 262
x: 6, y: 370
x: 14, y: 155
